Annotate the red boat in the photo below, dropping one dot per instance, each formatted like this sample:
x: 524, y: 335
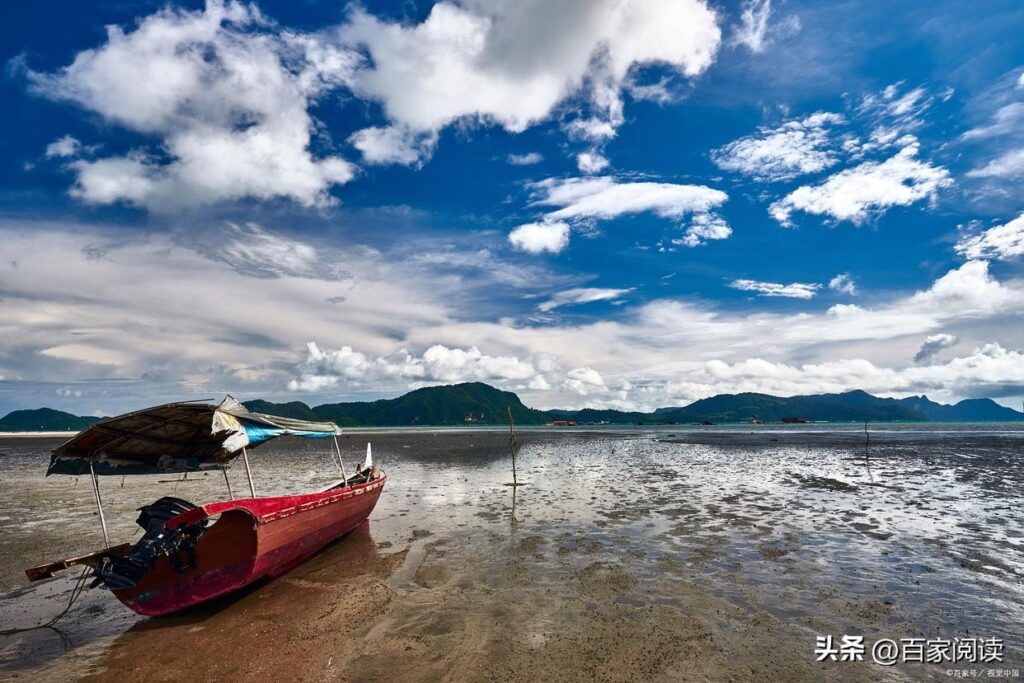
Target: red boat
x: 190, y: 554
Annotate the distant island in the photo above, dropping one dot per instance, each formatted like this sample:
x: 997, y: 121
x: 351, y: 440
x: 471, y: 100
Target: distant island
x: 475, y: 403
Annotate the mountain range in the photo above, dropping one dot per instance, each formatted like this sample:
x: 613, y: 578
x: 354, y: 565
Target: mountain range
x: 478, y: 403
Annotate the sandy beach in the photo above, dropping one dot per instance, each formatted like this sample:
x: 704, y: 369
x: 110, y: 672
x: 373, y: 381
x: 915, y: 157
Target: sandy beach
x: 669, y: 554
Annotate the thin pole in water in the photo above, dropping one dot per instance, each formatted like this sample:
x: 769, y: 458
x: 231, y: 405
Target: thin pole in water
x: 512, y: 445
x: 248, y: 472
x: 341, y: 460
x: 99, y: 504
x: 227, y: 481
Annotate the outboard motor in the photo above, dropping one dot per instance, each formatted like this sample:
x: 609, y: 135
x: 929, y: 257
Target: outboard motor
x: 124, y: 572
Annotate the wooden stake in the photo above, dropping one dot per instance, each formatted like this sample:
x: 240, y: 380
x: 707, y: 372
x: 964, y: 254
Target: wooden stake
x: 512, y: 445
x: 227, y: 481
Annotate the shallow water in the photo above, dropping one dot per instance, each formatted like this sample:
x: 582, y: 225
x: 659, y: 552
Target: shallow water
x: 792, y: 526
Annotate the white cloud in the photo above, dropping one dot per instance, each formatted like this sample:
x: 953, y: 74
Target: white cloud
x: 251, y: 250
x: 584, y: 200
x: 536, y: 238
x: 66, y: 146
x: 753, y: 26
x: 702, y: 228
x: 581, y: 295
x: 584, y: 381
x: 867, y: 190
x: 795, y: 148
x: 525, y: 159
x: 754, y: 31
x: 1008, y: 119
x: 1000, y: 139
x: 894, y: 112
x: 226, y: 95
x: 324, y: 369
x: 933, y: 345
x: 591, y: 162
x: 793, y: 290
x: 604, y: 198
x: 490, y: 62
x: 844, y: 284
x: 1007, y: 165
x: 970, y: 290
x: 393, y: 145
x: 1002, y: 243
x: 987, y: 368
x: 87, y: 302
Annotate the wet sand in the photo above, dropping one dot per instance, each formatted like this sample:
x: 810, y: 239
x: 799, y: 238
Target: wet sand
x: 633, y: 555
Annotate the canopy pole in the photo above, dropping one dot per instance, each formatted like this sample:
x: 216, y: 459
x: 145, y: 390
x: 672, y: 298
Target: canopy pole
x: 99, y: 504
x: 341, y: 460
x: 227, y: 481
x: 248, y: 472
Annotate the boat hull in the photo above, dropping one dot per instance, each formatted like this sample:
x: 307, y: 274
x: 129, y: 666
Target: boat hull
x: 251, y: 539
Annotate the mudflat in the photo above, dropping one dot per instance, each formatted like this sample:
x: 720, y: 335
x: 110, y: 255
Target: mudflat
x: 631, y: 554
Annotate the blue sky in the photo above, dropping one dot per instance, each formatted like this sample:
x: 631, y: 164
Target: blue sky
x: 590, y: 203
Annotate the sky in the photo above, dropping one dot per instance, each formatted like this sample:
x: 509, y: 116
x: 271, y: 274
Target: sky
x: 604, y: 203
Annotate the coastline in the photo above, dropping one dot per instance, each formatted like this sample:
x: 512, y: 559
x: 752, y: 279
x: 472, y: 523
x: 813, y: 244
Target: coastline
x: 821, y: 427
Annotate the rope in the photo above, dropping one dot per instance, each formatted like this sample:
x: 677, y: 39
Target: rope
x: 75, y: 593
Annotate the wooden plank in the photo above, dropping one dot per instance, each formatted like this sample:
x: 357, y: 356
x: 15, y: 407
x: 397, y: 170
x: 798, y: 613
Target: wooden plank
x: 92, y: 559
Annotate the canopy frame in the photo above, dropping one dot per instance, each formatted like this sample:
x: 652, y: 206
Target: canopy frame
x: 177, y: 437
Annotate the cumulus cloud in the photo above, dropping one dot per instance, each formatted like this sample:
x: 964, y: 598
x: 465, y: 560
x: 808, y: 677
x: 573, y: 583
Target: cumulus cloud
x: 486, y: 61
x: 66, y: 146
x: 866, y: 190
x: 987, y: 368
x: 795, y: 148
x: 793, y: 290
x: 324, y: 369
x: 393, y: 145
x: 225, y: 94
x: 1001, y: 243
x: 525, y: 159
x: 843, y: 283
x: 581, y: 295
x: 970, y: 290
x: 591, y: 162
x: 584, y: 381
x: 933, y: 345
x: 536, y: 238
x: 702, y: 228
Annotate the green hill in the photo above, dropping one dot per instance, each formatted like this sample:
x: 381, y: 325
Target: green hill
x: 44, y: 420
x: 851, y: 406
x: 478, y: 403
x: 456, y: 404
x: 295, y: 409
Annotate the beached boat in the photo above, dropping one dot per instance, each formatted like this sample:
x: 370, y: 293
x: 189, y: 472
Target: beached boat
x: 190, y: 554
